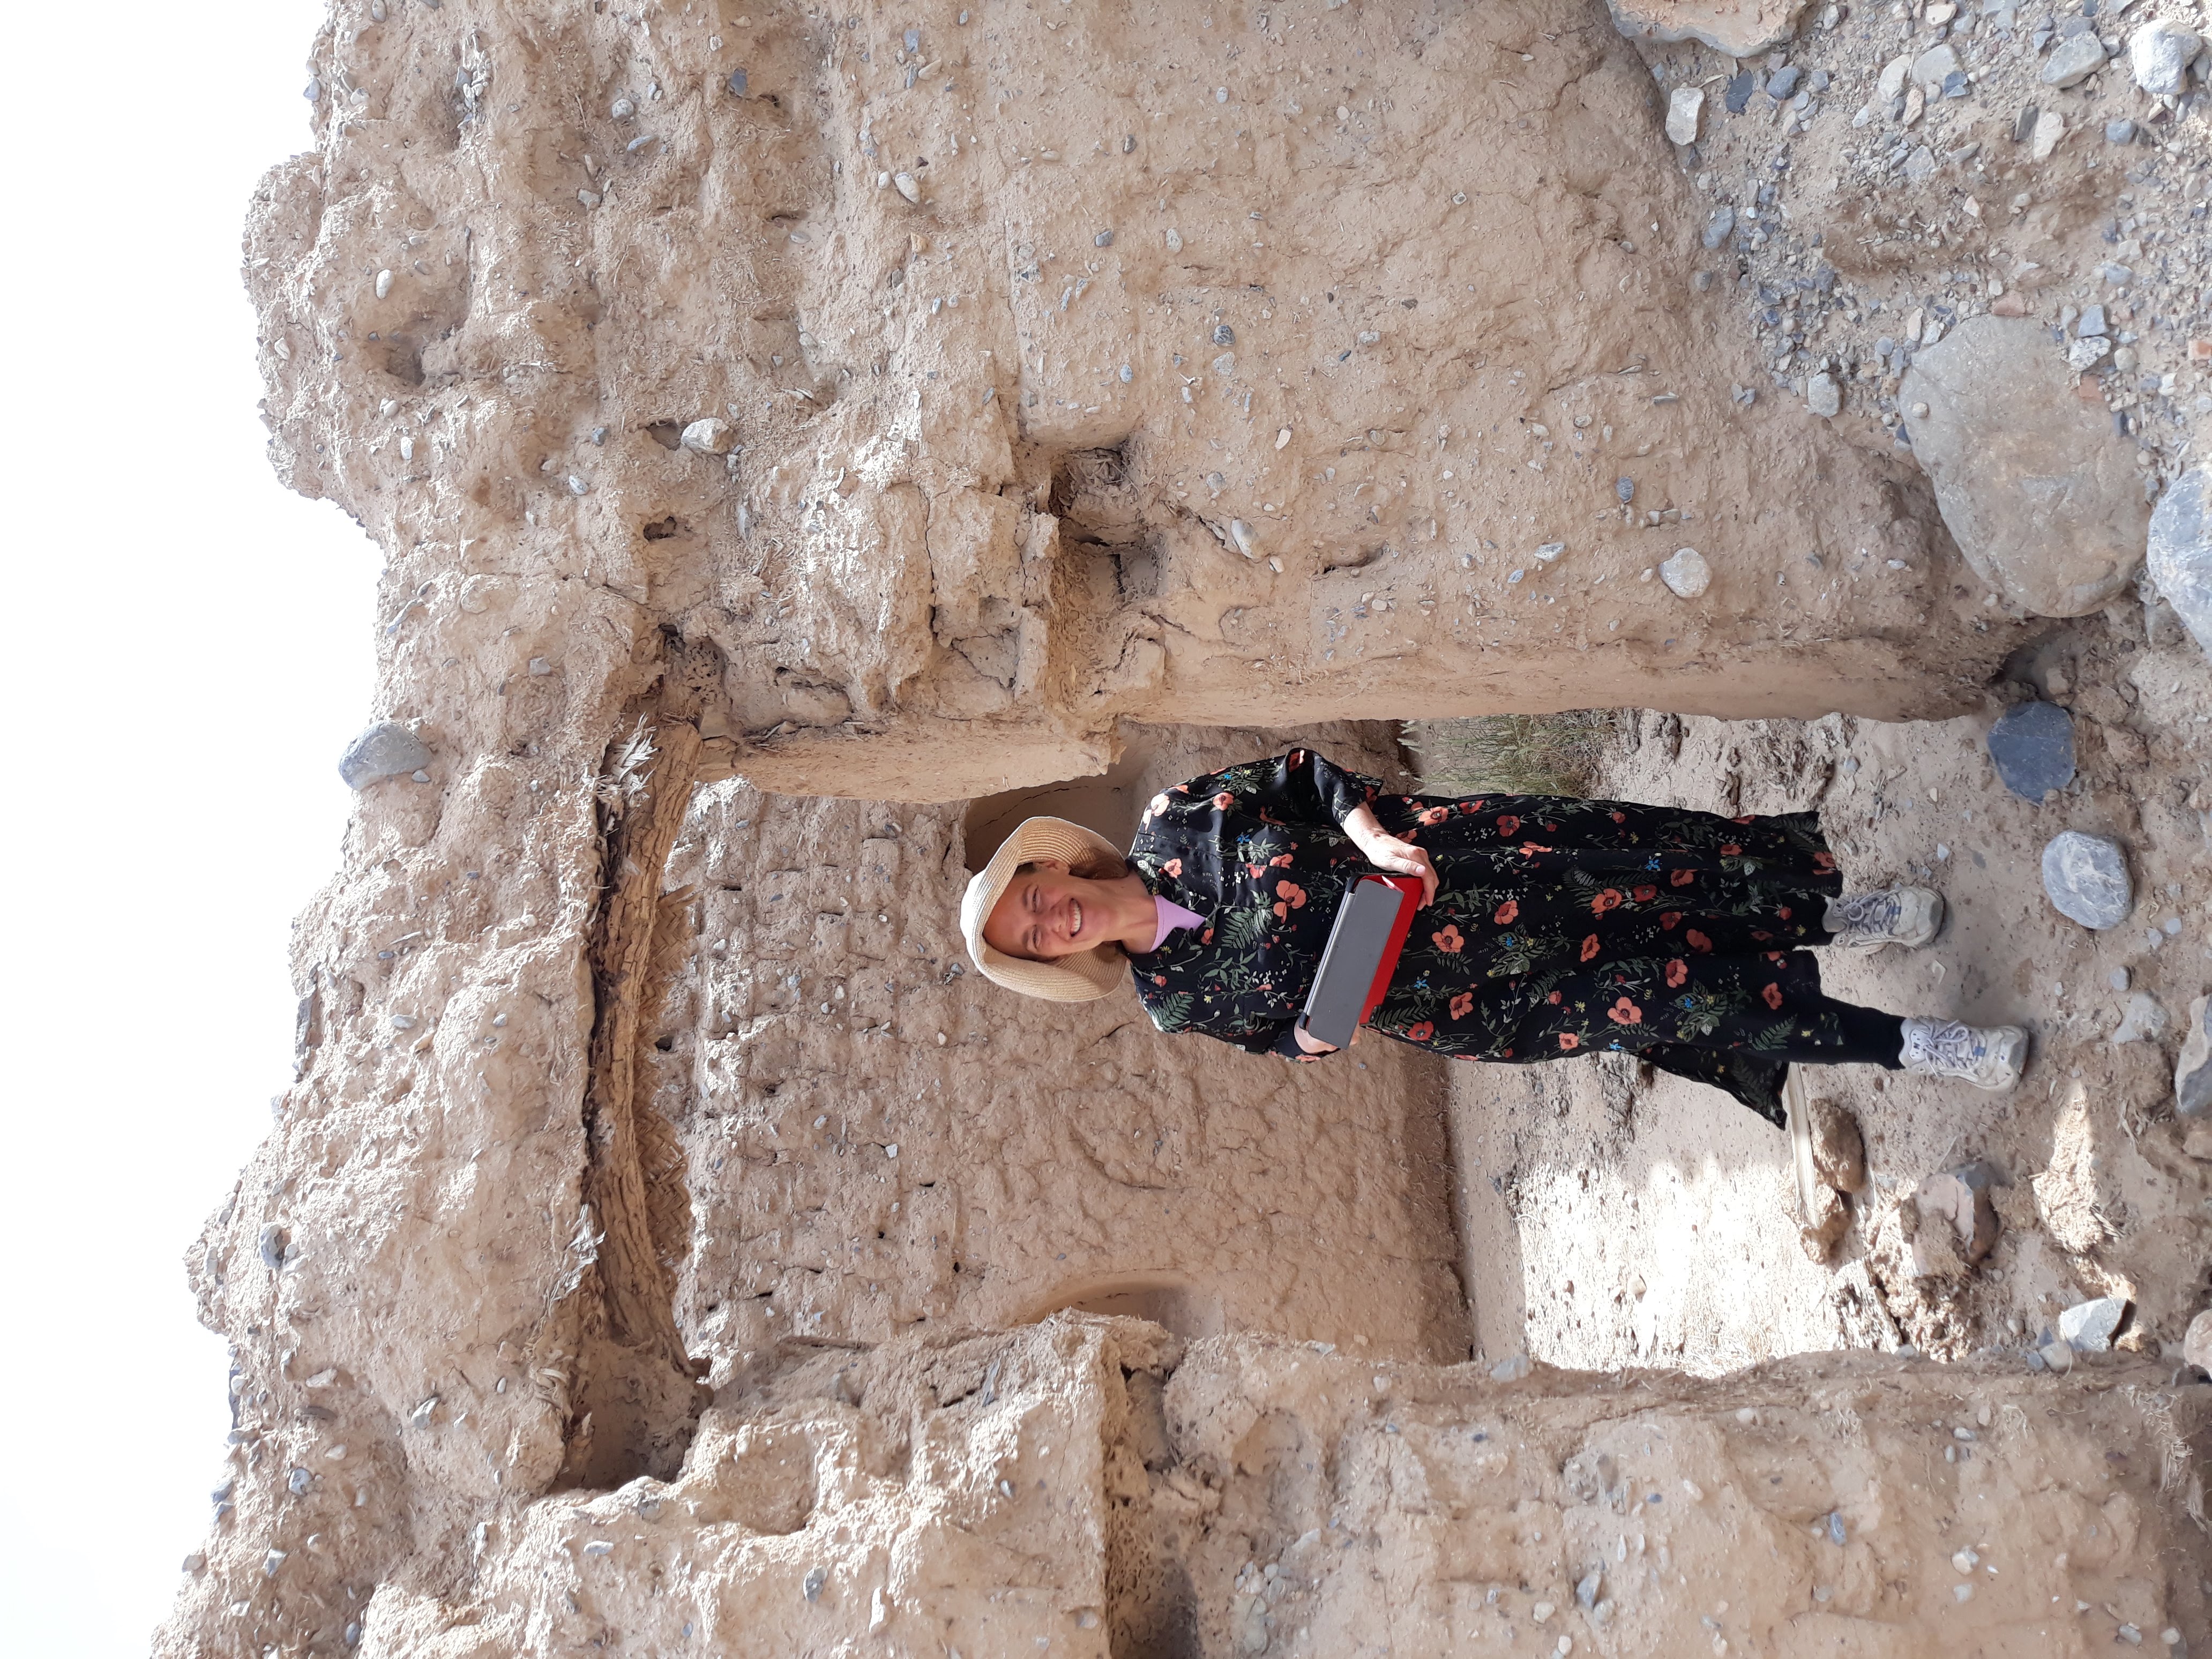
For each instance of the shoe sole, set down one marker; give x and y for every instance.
(1798, 1103)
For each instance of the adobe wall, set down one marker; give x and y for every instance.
(1236, 384)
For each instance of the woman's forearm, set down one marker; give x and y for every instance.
(1360, 823)
(1387, 852)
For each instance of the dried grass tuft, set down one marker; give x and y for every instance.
(1513, 754)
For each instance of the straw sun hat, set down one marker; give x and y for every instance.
(1082, 977)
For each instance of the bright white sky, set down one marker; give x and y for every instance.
(188, 646)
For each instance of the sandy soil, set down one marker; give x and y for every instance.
(1610, 1220)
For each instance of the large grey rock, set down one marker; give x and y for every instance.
(2033, 744)
(2089, 1326)
(2046, 506)
(2192, 1073)
(2181, 551)
(2159, 54)
(2073, 60)
(2086, 877)
(1739, 29)
(385, 750)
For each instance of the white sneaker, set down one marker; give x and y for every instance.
(1987, 1057)
(1900, 915)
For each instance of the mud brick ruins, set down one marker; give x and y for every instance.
(803, 442)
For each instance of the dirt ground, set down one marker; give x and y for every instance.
(1613, 1220)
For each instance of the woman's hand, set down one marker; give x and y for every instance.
(1387, 852)
(1314, 1045)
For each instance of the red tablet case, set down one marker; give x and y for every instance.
(1411, 887)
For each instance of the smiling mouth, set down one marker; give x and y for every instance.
(1075, 910)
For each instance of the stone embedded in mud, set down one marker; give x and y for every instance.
(2087, 1327)
(1824, 396)
(2145, 1020)
(2197, 1345)
(1687, 574)
(1719, 227)
(385, 750)
(2045, 506)
(2192, 1073)
(709, 437)
(1957, 1221)
(2180, 551)
(2159, 54)
(2085, 878)
(1684, 108)
(1739, 28)
(2033, 745)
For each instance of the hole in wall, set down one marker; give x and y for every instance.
(402, 359)
(1189, 1310)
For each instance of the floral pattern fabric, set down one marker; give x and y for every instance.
(1560, 927)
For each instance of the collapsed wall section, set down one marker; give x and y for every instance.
(1098, 1487)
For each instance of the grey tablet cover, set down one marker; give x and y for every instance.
(1356, 943)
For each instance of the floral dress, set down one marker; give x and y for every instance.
(1560, 927)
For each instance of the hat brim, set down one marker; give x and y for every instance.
(1083, 977)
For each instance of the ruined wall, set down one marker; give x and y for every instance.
(1243, 377)
(1094, 1487)
(895, 409)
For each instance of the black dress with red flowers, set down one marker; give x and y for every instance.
(1560, 927)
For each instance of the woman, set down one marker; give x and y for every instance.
(1550, 927)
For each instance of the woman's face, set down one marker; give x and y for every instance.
(1045, 912)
